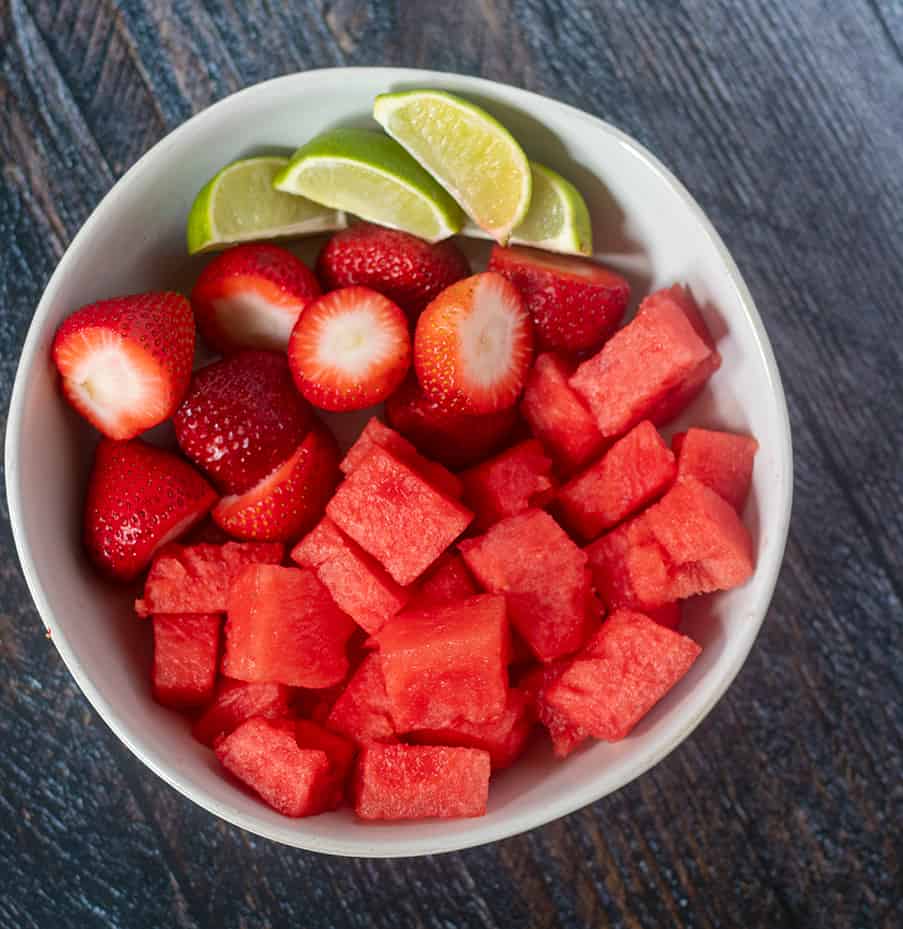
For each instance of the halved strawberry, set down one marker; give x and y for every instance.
(350, 349)
(473, 345)
(139, 498)
(407, 270)
(575, 304)
(251, 295)
(291, 500)
(241, 418)
(125, 362)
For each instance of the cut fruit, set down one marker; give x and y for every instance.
(446, 581)
(564, 734)
(339, 750)
(469, 152)
(370, 175)
(235, 703)
(361, 711)
(186, 647)
(239, 204)
(720, 460)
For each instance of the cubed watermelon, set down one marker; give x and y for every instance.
(186, 647)
(396, 515)
(361, 711)
(625, 669)
(421, 782)
(668, 615)
(448, 579)
(638, 468)
(196, 578)
(284, 626)
(339, 750)
(720, 460)
(236, 702)
(565, 735)
(265, 756)
(531, 560)
(557, 416)
(359, 584)
(508, 484)
(446, 662)
(608, 562)
(377, 433)
(641, 365)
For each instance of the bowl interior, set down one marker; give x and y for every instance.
(645, 224)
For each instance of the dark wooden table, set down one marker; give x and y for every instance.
(785, 120)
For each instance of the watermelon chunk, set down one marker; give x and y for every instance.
(564, 734)
(186, 647)
(358, 582)
(531, 560)
(265, 756)
(339, 750)
(608, 562)
(508, 484)
(625, 669)
(284, 626)
(361, 712)
(236, 702)
(557, 416)
(377, 433)
(641, 365)
(396, 516)
(668, 615)
(638, 468)
(420, 782)
(196, 578)
(504, 736)
(446, 662)
(720, 460)
(448, 579)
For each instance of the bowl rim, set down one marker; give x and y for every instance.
(481, 832)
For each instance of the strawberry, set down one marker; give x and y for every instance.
(139, 498)
(125, 362)
(350, 349)
(250, 297)
(242, 418)
(473, 345)
(291, 500)
(455, 439)
(407, 270)
(575, 304)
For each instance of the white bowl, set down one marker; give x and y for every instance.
(645, 222)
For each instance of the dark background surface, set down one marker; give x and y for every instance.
(784, 808)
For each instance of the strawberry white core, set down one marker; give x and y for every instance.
(250, 319)
(487, 335)
(354, 341)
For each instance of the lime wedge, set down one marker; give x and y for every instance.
(239, 204)
(557, 221)
(471, 154)
(366, 173)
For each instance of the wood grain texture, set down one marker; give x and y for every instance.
(784, 808)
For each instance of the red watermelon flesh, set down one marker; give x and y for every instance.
(396, 515)
(421, 782)
(638, 468)
(625, 669)
(377, 433)
(557, 416)
(196, 578)
(357, 582)
(565, 735)
(531, 560)
(640, 366)
(446, 662)
(448, 579)
(668, 615)
(236, 702)
(339, 750)
(609, 564)
(265, 755)
(362, 710)
(720, 460)
(504, 736)
(508, 484)
(284, 626)
(186, 647)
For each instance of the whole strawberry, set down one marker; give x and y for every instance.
(407, 270)
(125, 362)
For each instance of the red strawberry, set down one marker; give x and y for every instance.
(251, 295)
(139, 498)
(125, 362)
(291, 500)
(473, 345)
(350, 349)
(575, 304)
(242, 418)
(407, 270)
(455, 439)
